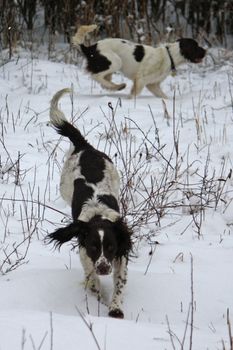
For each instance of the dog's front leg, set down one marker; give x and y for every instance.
(92, 281)
(105, 81)
(137, 87)
(119, 280)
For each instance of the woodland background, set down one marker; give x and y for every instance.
(147, 21)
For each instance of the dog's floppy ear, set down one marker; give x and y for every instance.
(123, 236)
(76, 229)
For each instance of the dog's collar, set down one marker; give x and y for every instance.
(173, 67)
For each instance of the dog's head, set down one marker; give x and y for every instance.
(191, 51)
(103, 240)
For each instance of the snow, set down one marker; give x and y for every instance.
(43, 304)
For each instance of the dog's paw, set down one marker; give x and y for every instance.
(116, 313)
(121, 86)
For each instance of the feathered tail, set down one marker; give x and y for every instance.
(57, 117)
(62, 126)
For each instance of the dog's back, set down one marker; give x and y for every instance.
(88, 175)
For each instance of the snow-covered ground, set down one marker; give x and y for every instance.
(178, 156)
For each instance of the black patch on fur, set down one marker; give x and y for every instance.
(92, 242)
(80, 143)
(191, 51)
(96, 62)
(110, 201)
(116, 239)
(92, 163)
(124, 42)
(139, 53)
(68, 130)
(173, 67)
(123, 234)
(81, 194)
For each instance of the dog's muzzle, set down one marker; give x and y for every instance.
(103, 266)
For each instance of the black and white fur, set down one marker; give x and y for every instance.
(146, 66)
(90, 185)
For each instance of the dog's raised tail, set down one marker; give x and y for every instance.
(57, 117)
(79, 37)
(62, 126)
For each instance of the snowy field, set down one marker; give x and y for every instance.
(175, 159)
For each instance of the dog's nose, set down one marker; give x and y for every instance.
(103, 267)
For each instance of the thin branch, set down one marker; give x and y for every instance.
(90, 328)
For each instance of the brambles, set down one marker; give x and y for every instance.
(158, 180)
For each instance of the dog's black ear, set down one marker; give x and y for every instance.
(77, 229)
(123, 236)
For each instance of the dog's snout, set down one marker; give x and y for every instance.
(103, 267)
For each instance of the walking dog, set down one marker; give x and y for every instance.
(90, 185)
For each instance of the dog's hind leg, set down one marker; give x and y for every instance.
(119, 279)
(156, 90)
(104, 77)
(108, 77)
(105, 81)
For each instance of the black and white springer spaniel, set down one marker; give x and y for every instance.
(145, 65)
(90, 185)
